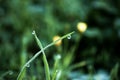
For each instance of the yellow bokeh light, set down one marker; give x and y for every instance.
(58, 43)
(81, 26)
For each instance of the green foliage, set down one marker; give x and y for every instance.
(21, 74)
(97, 46)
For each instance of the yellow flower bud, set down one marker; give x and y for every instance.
(81, 26)
(58, 43)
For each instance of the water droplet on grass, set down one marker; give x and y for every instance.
(33, 32)
(28, 65)
(69, 36)
(58, 56)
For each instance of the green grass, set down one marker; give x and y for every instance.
(27, 64)
(47, 72)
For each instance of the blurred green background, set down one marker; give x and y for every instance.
(85, 53)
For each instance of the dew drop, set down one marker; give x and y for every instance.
(69, 36)
(58, 56)
(33, 32)
(28, 65)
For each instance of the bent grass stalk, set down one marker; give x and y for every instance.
(47, 72)
(38, 53)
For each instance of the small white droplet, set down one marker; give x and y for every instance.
(69, 36)
(28, 65)
(58, 56)
(33, 32)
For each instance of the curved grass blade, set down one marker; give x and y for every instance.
(38, 53)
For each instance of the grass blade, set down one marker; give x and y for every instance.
(38, 53)
(47, 72)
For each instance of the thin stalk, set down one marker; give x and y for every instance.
(47, 72)
(54, 75)
(56, 64)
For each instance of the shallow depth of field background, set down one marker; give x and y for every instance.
(90, 54)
